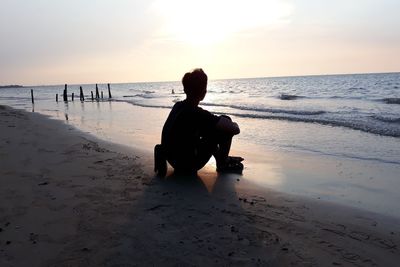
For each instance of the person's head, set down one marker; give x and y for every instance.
(195, 84)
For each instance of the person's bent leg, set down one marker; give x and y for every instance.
(222, 152)
(225, 163)
(224, 142)
(218, 145)
(205, 151)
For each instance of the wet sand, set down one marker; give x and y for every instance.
(358, 182)
(69, 199)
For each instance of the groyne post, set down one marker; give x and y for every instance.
(81, 96)
(65, 94)
(57, 98)
(109, 90)
(33, 101)
(92, 94)
(72, 96)
(101, 94)
(97, 92)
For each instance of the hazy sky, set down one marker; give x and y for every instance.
(89, 41)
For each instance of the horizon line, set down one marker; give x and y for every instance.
(216, 79)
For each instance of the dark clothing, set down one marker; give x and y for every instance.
(189, 137)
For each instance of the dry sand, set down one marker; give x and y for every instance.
(68, 199)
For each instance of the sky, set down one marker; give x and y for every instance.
(100, 41)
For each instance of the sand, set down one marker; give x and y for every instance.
(69, 199)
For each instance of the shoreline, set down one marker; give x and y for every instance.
(67, 198)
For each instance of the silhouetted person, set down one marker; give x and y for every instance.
(191, 135)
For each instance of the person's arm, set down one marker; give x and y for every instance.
(226, 125)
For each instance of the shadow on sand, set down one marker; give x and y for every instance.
(181, 220)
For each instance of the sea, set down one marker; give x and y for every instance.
(341, 118)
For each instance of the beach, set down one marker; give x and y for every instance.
(71, 199)
(95, 95)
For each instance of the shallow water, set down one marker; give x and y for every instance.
(329, 137)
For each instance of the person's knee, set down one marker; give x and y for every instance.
(227, 117)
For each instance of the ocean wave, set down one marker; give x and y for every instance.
(363, 125)
(392, 100)
(346, 97)
(147, 96)
(387, 119)
(289, 97)
(359, 125)
(143, 105)
(356, 88)
(243, 108)
(15, 98)
(269, 110)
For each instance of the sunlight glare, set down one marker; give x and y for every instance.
(210, 21)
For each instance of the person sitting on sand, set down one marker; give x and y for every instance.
(191, 135)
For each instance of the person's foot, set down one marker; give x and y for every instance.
(231, 167)
(160, 162)
(233, 159)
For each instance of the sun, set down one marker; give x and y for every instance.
(212, 21)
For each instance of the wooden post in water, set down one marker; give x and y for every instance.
(97, 92)
(72, 96)
(57, 98)
(101, 94)
(33, 101)
(81, 96)
(65, 94)
(109, 90)
(92, 94)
